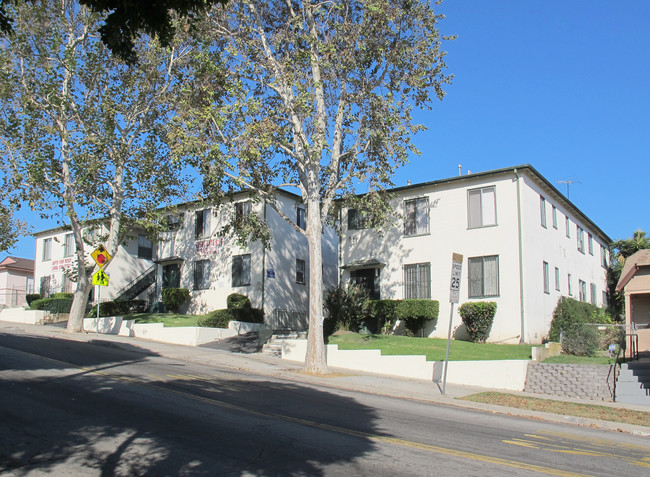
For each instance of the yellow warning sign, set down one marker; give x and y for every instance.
(100, 277)
(101, 256)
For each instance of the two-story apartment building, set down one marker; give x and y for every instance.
(524, 245)
(194, 254)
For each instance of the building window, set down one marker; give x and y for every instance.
(173, 222)
(567, 222)
(547, 285)
(482, 207)
(300, 271)
(68, 245)
(542, 210)
(301, 217)
(569, 285)
(557, 279)
(47, 249)
(582, 288)
(359, 219)
(416, 216)
(45, 286)
(590, 242)
(242, 209)
(483, 276)
(201, 224)
(554, 216)
(581, 239)
(241, 270)
(171, 276)
(592, 293)
(145, 248)
(202, 274)
(417, 281)
(603, 256)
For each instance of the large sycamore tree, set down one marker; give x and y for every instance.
(81, 135)
(318, 97)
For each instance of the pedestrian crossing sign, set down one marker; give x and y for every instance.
(100, 277)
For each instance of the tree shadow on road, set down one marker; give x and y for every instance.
(118, 422)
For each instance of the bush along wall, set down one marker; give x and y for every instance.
(478, 317)
(382, 314)
(239, 309)
(574, 326)
(173, 298)
(118, 308)
(53, 304)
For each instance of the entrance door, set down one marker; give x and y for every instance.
(171, 276)
(369, 279)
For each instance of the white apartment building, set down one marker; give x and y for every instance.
(524, 245)
(194, 254)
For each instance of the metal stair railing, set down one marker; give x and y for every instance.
(133, 284)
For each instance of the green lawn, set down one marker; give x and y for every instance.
(432, 348)
(570, 359)
(167, 319)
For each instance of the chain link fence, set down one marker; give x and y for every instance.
(596, 339)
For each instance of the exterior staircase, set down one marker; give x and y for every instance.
(273, 347)
(138, 285)
(633, 384)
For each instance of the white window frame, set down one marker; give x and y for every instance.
(590, 243)
(557, 279)
(567, 223)
(580, 236)
(554, 217)
(201, 231)
(68, 245)
(569, 284)
(547, 278)
(486, 290)
(47, 249)
(485, 207)
(582, 290)
(593, 292)
(420, 219)
(542, 210)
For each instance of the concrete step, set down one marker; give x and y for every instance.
(633, 383)
(289, 335)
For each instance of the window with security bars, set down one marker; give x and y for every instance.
(68, 246)
(416, 216)
(483, 273)
(417, 281)
(481, 207)
(359, 219)
(202, 274)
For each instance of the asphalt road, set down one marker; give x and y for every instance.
(75, 408)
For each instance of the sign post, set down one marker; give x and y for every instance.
(454, 297)
(100, 278)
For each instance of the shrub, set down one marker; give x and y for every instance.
(30, 297)
(216, 319)
(237, 300)
(569, 326)
(345, 308)
(415, 313)
(118, 308)
(64, 295)
(478, 317)
(53, 305)
(239, 309)
(381, 315)
(173, 298)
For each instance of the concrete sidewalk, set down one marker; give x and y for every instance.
(396, 387)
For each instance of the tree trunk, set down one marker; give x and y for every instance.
(315, 359)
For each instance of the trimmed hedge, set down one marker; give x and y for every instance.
(173, 298)
(31, 297)
(478, 317)
(118, 308)
(239, 309)
(414, 313)
(53, 305)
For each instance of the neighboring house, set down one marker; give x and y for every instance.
(16, 281)
(524, 245)
(635, 283)
(194, 255)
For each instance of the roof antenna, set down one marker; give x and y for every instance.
(460, 169)
(568, 182)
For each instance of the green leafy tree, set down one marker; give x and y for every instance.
(83, 134)
(319, 98)
(620, 250)
(126, 20)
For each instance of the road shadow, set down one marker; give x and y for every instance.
(124, 421)
(247, 343)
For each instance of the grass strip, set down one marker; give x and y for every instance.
(591, 411)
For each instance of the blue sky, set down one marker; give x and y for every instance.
(561, 85)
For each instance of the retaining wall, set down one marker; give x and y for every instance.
(595, 382)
